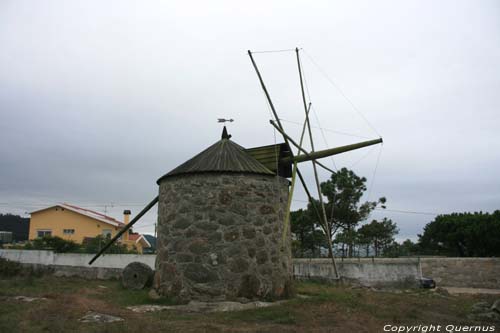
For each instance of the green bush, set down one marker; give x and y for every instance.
(95, 244)
(91, 245)
(55, 243)
(9, 268)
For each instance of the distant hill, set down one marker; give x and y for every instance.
(19, 226)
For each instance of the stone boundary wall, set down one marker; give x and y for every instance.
(88, 273)
(367, 272)
(364, 271)
(463, 272)
(448, 272)
(50, 258)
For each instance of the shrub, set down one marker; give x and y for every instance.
(9, 268)
(55, 243)
(95, 244)
(90, 245)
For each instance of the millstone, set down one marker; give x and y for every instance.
(137, 275)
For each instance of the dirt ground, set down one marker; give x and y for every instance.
(326, 309)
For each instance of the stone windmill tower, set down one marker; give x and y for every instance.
(220, 222)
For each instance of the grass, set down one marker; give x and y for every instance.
(116, 294)
(272, 315)
(326, 308)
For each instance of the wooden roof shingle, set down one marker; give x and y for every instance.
(223, 156)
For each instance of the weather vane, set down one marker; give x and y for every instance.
(222, 120)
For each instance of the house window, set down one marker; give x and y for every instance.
(106, 233)
(43, 233)
(68, 231)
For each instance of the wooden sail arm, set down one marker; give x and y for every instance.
(125, 229)
(330, 152)
(288, 140)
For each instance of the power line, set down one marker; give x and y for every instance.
(408, 211)
(326, 129)
(374, 172)
(402, 211)
(17, 204)
(274, 51)
(362, 157)
(144, 226)
(341, 92)
(314, 111)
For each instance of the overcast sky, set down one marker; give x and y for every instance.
(99, 99)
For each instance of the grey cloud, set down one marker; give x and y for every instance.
(98, 100)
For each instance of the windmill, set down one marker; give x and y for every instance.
(220, 175)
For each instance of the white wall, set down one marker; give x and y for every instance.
(28, 257)
(368, 272)
(76, 259)
(364, 271)
(459, 272)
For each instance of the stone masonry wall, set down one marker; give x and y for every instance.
(376, 272)
(220, 237)
(463, 272)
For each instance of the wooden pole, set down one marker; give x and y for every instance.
(265, 91)
(292, 187)
(298, 158)
(280, 126)
(125, 229)
(323, 211)
(331, 151)
(309, 196)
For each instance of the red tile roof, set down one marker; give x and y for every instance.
(137, 237)
(90, 213)
(134, 237)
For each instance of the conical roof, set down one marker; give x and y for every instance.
(223, 156)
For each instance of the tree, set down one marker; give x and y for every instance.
(309, 237)
(408, 248)
(19, 226)
(95, 244)
(364, 239)
(344, 210)
(462, 235)
(379, 234)
(346, 237)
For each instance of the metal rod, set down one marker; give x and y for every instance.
(323, 211)
(286, 136)
(125, 229)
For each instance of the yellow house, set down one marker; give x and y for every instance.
(138, 241)
(75, 223)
